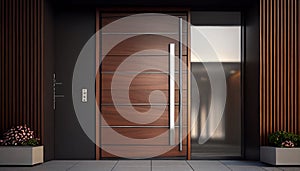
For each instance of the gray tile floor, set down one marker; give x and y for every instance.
(151, 165)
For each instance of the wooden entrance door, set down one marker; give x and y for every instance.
(142, 114)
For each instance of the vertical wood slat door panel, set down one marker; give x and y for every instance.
(279, 61)
(22, 64)
(147, 81)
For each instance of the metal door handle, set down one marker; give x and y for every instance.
(172, 93)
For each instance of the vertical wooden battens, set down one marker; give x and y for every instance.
(2, 61)
(279, 73)
(41, 23)
(21, 64)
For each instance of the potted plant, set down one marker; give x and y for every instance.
(284, 149)
(20, 147)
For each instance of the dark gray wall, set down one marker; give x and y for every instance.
(251, 83)
(213, 18)
(204, 4)
(73, 28)
(48, 71)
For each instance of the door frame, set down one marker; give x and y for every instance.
(229, 21)
(98, 74)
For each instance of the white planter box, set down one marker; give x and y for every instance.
(280, 156)
(21, 155)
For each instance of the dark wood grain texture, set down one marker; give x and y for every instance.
(156, 23)
(135, 63)
(113, 117)
(141, 151)
(141, 96)
(22, 64)
(146, 44)
(142, 81)
(148, 136)
(97, 84)
(138, 50)
(136, 133)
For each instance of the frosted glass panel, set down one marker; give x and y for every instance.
(222, 42)
(216, 47)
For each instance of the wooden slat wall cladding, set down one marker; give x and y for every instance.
(21, 64)
(279, 68)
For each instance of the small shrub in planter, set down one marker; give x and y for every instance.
(20, 135)
(283, 150)
(284, 139)
(20, 147)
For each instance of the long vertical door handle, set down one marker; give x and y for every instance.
(180, 84)
(172, 93)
